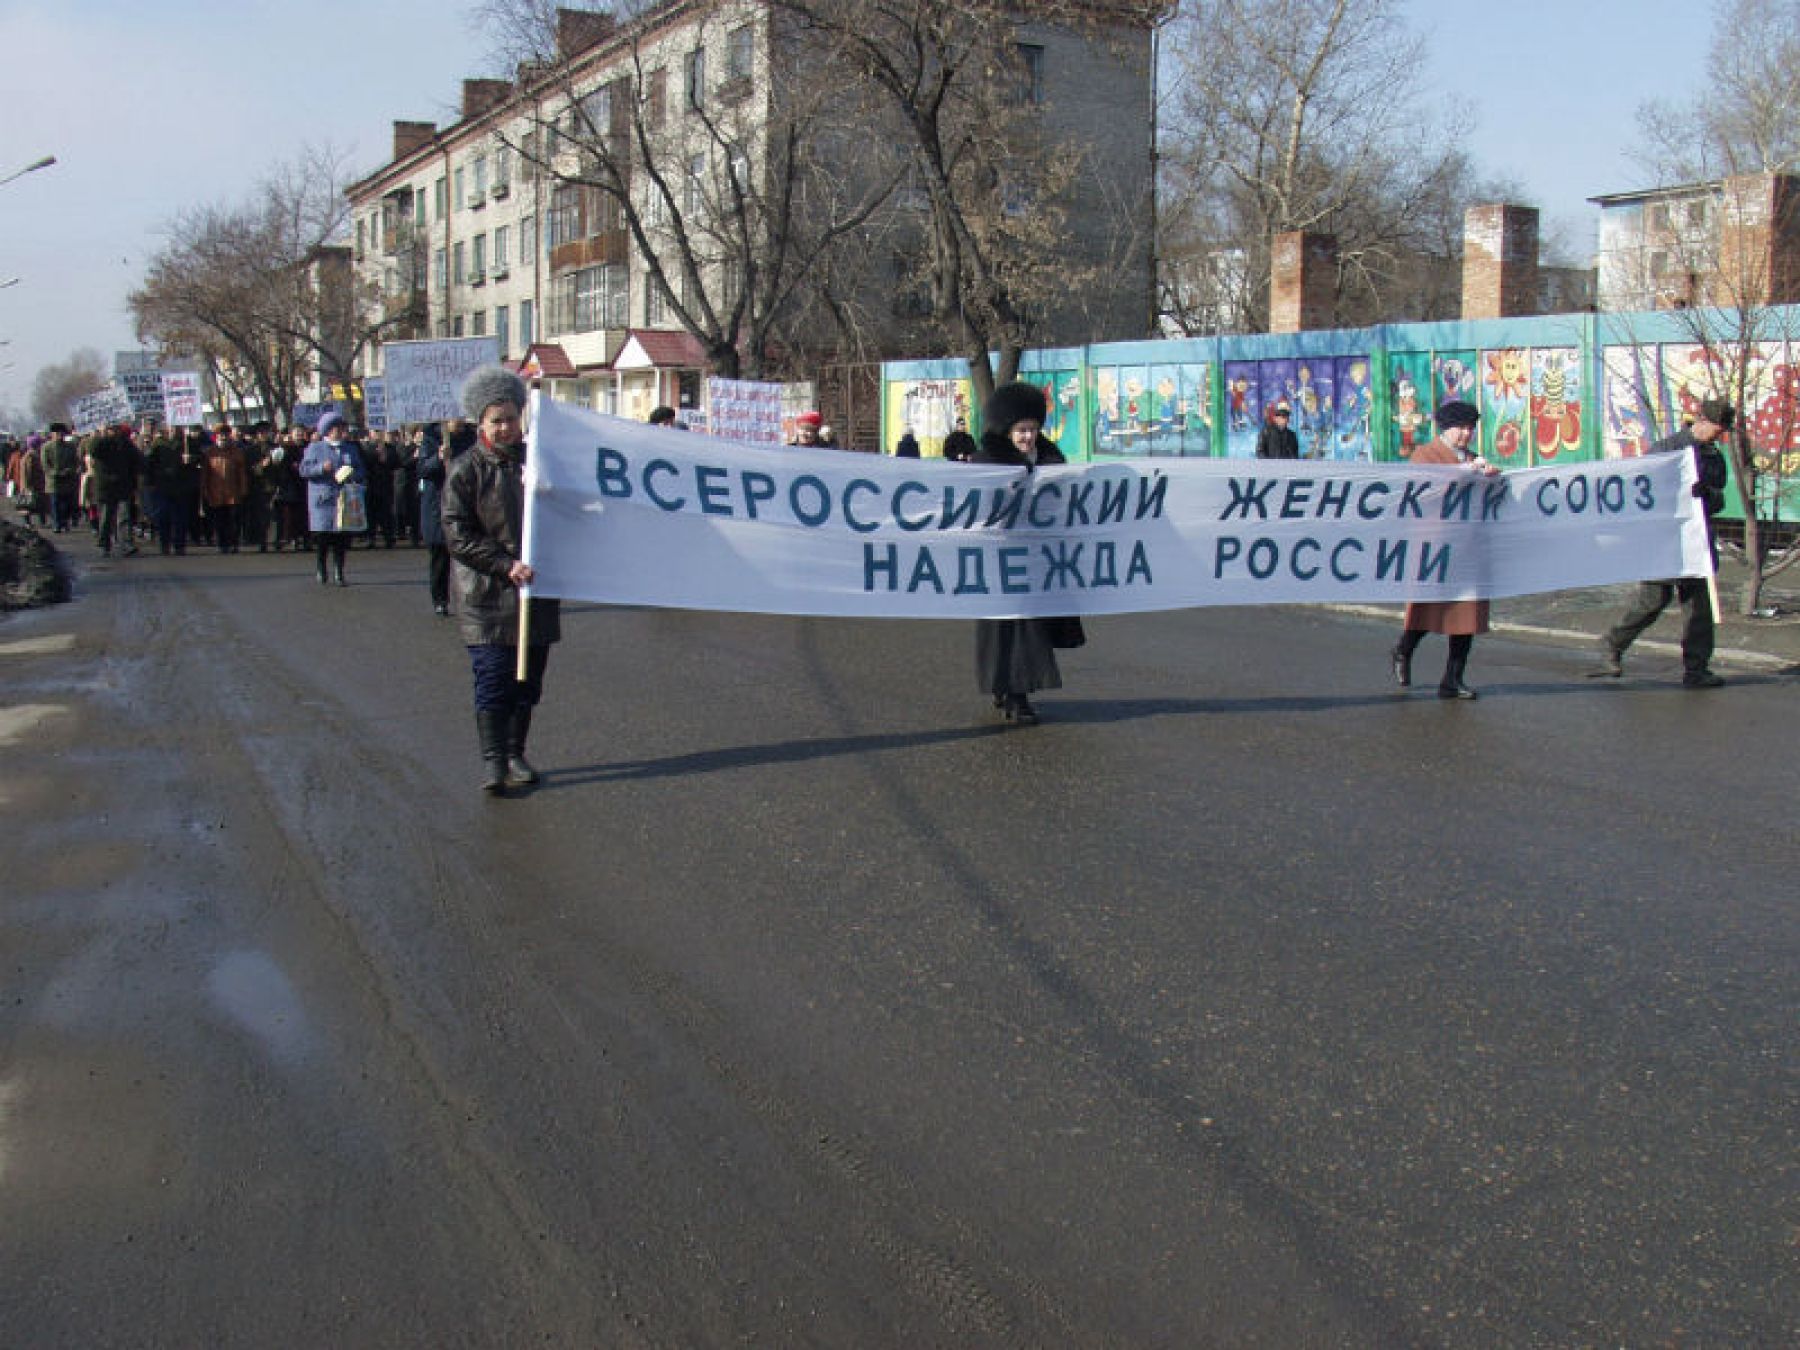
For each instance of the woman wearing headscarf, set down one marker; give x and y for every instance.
(484, 525)
(1014, 658)
(1459, 620)
(331, 463)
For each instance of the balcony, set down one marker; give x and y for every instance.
(500, 190)
(478, 278)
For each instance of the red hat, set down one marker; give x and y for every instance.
(809, 419)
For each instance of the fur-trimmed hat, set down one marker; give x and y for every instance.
(334, 418)
(1457, 413)
(488, 385)
(1010, 403)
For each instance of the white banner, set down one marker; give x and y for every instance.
(627, 514)
(421, 380)
(181, 398)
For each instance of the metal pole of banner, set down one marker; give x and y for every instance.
(529, 514)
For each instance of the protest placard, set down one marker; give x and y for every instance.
(422, 379)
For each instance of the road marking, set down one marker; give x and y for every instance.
(39, 646)
(27, 717)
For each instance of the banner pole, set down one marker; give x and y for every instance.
(528, 514)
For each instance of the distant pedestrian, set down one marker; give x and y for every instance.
(908, 448)
(1277, 440)
(1459, 620)
(1714, 421)
(662, 416)
(959, 445)
(333, 467)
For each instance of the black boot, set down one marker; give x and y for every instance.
(519, 772)
(1453, 686)
(321, 571)
(337, 573)
(491, 727)
(1402, 660)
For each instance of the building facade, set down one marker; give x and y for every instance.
(509, 222)
(1731, 242)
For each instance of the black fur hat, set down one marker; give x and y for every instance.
(1010, 403)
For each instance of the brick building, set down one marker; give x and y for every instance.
(1730, 241)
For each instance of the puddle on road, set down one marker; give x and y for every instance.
(251, 990)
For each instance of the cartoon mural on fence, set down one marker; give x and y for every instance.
(1350, 426)
(1505, 401)
(1411, 377)
(1635, 400)
(1152, 410)
(1243, 408)
(929, 409)
(1452, 377)
(1556, 401)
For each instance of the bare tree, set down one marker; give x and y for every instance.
(1285, 115)
(1723, 246)
(263, 291)
(995, 175)
(62, 382)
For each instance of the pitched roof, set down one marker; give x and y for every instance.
(547, 360)
(659, 348)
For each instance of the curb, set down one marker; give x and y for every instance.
(1735, 656)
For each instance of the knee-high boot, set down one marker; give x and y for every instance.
(519, 772)
(1453, 686)
(491, 728)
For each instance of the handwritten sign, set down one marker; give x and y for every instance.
(424, 379)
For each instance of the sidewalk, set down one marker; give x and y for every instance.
(1577, 618)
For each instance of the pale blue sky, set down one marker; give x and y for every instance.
(153, 105)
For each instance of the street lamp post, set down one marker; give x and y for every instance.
(33, 167)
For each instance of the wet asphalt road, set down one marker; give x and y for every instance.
(1242, 1003)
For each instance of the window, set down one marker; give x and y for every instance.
(502, 237)
(696, 185)
(462, 184)
(1659, 264)
(1696, 215)
(503, 328)
(563, 220)
(456, 326)
(502, 171)
(738, 53)
(525, 316)
(594, 298)
(528, 242)
(418, 203)
(655, 303)
(1030, 73)
(440, 197)
(1659, 216)
(440, 271)
(596, 111)
(481, 176)
(696, 78)
(479, 271)
(656, 98)
(360, 225)
(458, 273)
(479, 327)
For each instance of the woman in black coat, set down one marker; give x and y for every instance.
(1014, 658)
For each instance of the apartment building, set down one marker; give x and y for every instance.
(474, 228)
(1731, 241)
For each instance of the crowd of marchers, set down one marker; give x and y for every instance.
(227, 488)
